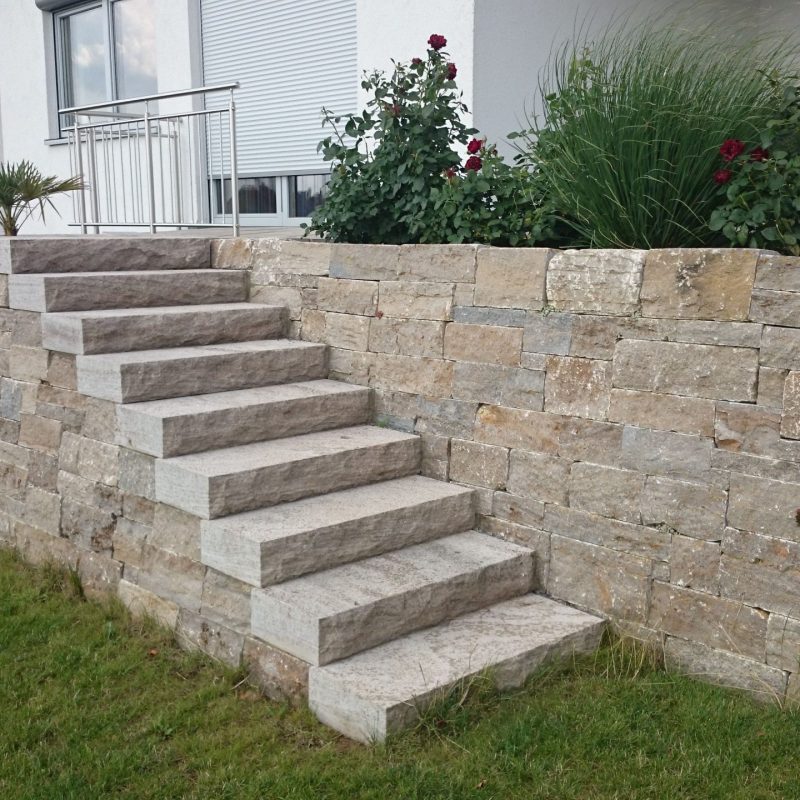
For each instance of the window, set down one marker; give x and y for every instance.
(256, 196)
(105, 50)
(306, 192)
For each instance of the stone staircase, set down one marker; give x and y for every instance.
(360, 566)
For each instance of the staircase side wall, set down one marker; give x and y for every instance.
(632, 416)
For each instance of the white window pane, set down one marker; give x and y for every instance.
(135, 47)
(85, 56)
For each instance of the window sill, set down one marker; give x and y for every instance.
(56, 142)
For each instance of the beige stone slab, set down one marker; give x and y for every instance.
(692, 509)
(699, 283)
(483, 344)
(577, 387)
(511, 427)
(776, 308)
(141, 602)
(426, 376)
(539, 476)
(780, 348)
(780, 273)
(783, 642)
(610, 492)
(448, 263)
(511, 277)
(348, 296)
(588, 440)
(365, 262)
(478, 464)
(764, 506)
(790, 419)
(694, 564)
(602, 281)
(417, 300)
(280, 676)
(664, 412)
(407, 337)
(499, 385)
(717, 373)
(717, 622)
(743, 427)
(672, 455)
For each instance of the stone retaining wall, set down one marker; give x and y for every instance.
(632, 416)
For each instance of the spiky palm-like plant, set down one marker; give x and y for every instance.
(23, 190)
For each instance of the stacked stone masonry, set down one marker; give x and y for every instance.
(632, 416)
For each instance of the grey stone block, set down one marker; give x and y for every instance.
(252, 476)
(179, 371)
(333, 614)
(275, 544)
(384, 690)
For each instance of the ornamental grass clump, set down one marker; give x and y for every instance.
(631, 126)
(408, 169)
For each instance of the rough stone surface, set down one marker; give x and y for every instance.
(438, 262)
(499, 385)
(688, 508)
(764, 506)
(614, 493)
(511, 427)
(578, 387)
(478, 464)
(508, 278)
(694, 564)
(776, 308)
(699, 284)
(407, 299)
(664, 412)
(333, 614)
(348, 297)
(483, 344)
(280, 676)
(511, 639)
(605, 281)
(539, 476)
(790, 419)
(406, 337)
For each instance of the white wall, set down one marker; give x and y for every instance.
(26, 70)
(399, 30)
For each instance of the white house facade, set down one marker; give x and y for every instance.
(289, 58)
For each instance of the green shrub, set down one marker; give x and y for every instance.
(397, 174)
(760, 186)
(632, 124)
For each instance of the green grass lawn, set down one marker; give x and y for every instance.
(95, 705)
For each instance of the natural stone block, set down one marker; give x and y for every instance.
(610, 492)
(790, 419)
(100, 420)
(688, 508)
(675, 455)
(699, 284)
(217, 641)
(3, 291)
(764, 506)
(279, 675)
(503, 317)
(90, 493)
(99, 574)
(69, 451)
(348, 365)
(171, 576)
(347, 296)
(88, 527)
(290, 297)
(717, 373)
(175, 531)
(478, 464)
(748, 428)
(98, 461)
(771, 384)
(427, 376)
(364, 262)
(448, 263)
(128, 543)
(604, 281)
(636, 540)
(43, 510)
(761, 571)
(435, 456)
(578, 387)
(783, 642)
(407, 337)
(780, 348)
(539, 476)
(483, 344)
(62, 371)
(664, 412)
(345, 331)
(713, 621)
(40, 548)
(43, 471)
(525, 536)
(143, 603)
(781, 273)
(40, 433)
(776, 308)
(446, 418)
(588, 440)
(11, 396)
(512, 427)
(694, 564)
(725, 669)
(499, 385)
(28, 363)
(511, 277)
(138, 509)
(520, 510)
(757, 466)
(137, 473)
(549, 333)
(596, 336)
(417, 300)
(596, 578)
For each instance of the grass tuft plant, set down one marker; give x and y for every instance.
(632, 123)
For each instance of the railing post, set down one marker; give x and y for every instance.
(234, 166)
(148, 152)
(79, 164)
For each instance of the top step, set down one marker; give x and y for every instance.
(101, 254)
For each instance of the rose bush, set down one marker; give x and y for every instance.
(760, 186)
(399, 174)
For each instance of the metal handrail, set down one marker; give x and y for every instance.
(140, 192)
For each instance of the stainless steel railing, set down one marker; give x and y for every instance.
(142, 168)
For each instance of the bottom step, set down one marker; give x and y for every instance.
(381, 691)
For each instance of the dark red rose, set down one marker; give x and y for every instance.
(474, 146)
(437, 42)
(722, 176)
(416, 61)
(396, 110)
(759, 154)
(452, 71)
(731, 148)
(473, 163)
(450, 173)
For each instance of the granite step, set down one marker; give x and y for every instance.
(329, 615)
(235, 479)
(119, 330)
(183, 425)
(86, 291)
(381, 691)
(276, 544)
(23, 255)
(182, 371)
